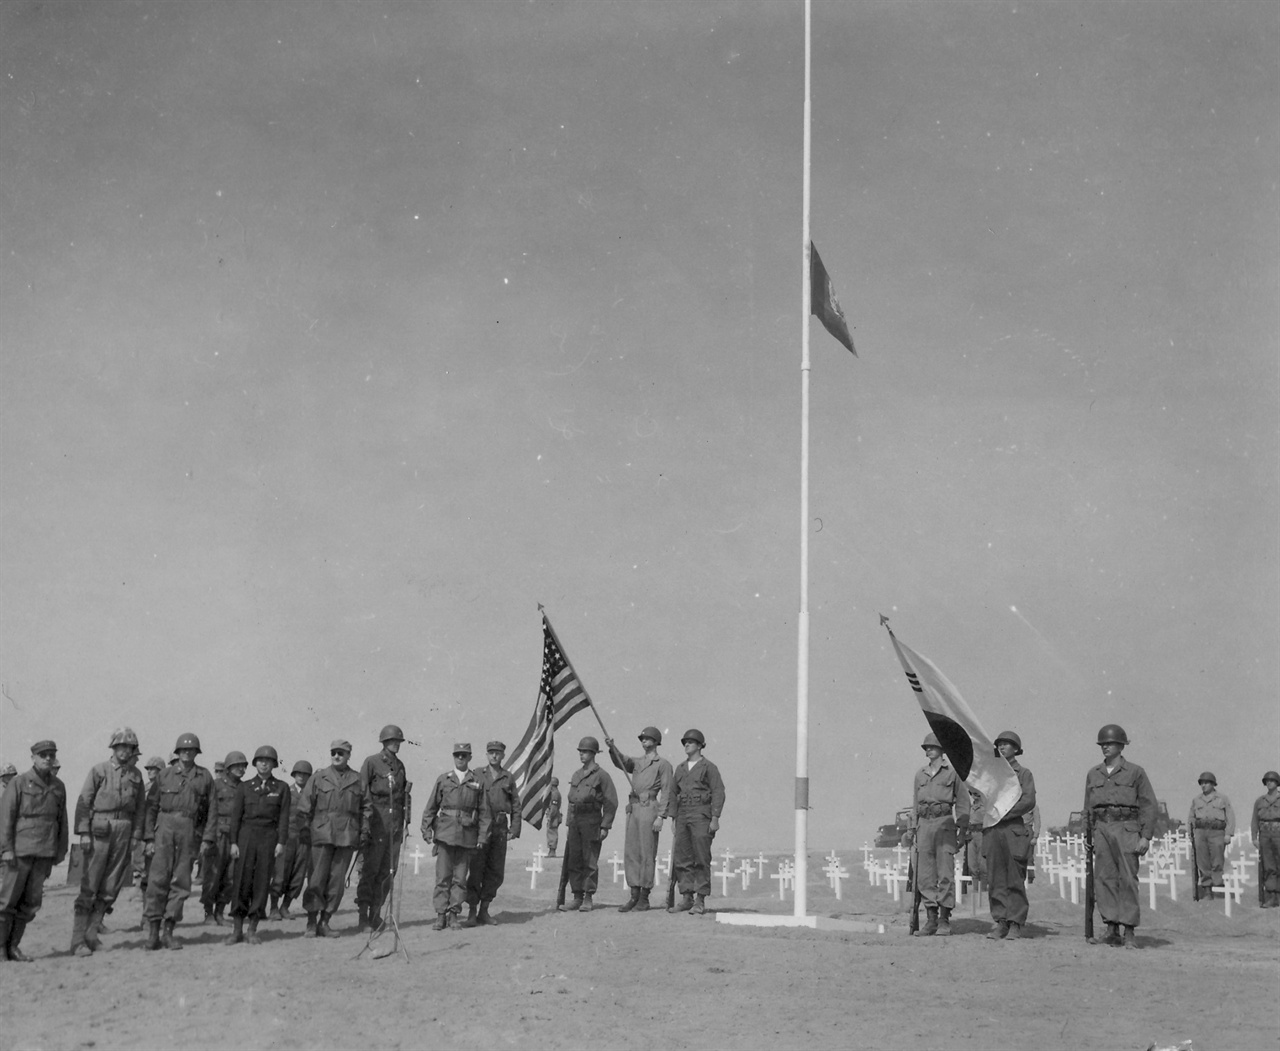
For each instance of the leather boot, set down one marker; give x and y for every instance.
(455, 920)
(219, 915)
(1001, 931)
(79, 947)
(285, 914)
(683, 905)
(1015, 932)
(1130, 939)
(483, 918)
(574, 905)
(642, 905)
(253, 937)
(275, 915)
(363, 926)
(442, 921)
(209, 921)
(94, 928)
(322, 926)
(167, 938)
(587, 904)
(237, 933)
(699, 907)
(153, 935)
(633, 902)
(470, 921)
(16, 929)
(931, 923)
(310, 932)
(944, 922)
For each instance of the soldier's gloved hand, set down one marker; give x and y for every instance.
(235, 850)
(86, 843)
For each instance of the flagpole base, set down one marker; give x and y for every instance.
(821, 923)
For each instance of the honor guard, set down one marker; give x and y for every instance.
(650, 776)
(215, 871)
(110, 815)
(489, 864)
(1265, 830)
(697, 799)
(259, 831)
(33, 839)
(939, 818)
(593, 802)
(456, 821)
(554, 817)
(1120, 807)
(291, 874)
(334, 816)
(1212, 823)
(1006, 847)
(384, 779)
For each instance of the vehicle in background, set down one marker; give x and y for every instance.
(1164, 823)
(891, 835)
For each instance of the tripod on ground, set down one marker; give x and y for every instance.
(395, 893)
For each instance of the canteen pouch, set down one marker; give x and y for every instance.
(100, 827)
(469, 806)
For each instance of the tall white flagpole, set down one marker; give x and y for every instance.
(802, 664)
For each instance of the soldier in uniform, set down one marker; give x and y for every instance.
(109, 818)
(456, 821)
(593, 802)
(1006, 846)
(335, 817)
(291, 874)
(489, 864)
(141, 864)
(939, 815)
(383, 778)
(215, 870)
(259, 831)
(553, 817)
(1264, 829)
(650, 777)
(973, 851)
(178, 819)
(33, 839)
(1212, 822)
(696, 801)
(1120, 807)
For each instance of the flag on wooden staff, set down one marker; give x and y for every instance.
(560, 697)
(823, 303)
(966, 744)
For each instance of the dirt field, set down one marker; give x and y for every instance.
(547, 979)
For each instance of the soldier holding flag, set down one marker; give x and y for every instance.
(650, 777)
(1006, 845)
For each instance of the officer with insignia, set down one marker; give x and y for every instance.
(554, 817)
(33, 839)
(215, 870)
(939, 818)
(110, 815)
(1212, 822)
(593, 802)
(456, 821)
(259, 831)
(1265, 832)
(1120, 807)
(697, 799)
(650, 777)
(291, 874)
(383, 777)
(178, 820)
(335, 815)
(489, 864)
(1006, 847)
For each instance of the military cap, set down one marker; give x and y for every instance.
(588, 744)
(43, 746)
(694, 735)
(154, 763)
(301, 767)
(234, 759)
(340, 746)
(462, 748)
(267, 752)
(931, 741)
(391, 732)
(1013, 739)
(495, 746)
(1207, 776)
(1271, 775)
(653, 733)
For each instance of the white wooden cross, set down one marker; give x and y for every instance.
(897, 878)
(835, 872)
(1076, 878)
(617, 863)
(900, 855)
(727, 856)
(961, 880)
(724, 875)
(1151, 879)
(745, 868)
(760, 862)
(417, 856)
(538, 856)
(533, 868)
(785, 877)
(866, 854)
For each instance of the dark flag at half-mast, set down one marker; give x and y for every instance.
(971, 752)
(823, 303)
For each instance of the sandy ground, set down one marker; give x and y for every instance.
(546, 979)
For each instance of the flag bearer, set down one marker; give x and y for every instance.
(456, 820)
(650, 777)
(110, 815)
(215, 871)
(1265, 831)
(33, 839)
(489, 864)
(1120, 807)
(384, 779)
(939, 817)
(1007, 848)
(291, 874)
(593, 802)
(259, 831)
(695, 804)
(1212, 822)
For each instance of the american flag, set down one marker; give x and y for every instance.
(560, 697)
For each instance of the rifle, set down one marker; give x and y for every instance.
(1195, 867)
(913, 884)
(1088, 876)
(671, 881)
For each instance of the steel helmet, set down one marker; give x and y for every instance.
(155, 763)
(653, 733)
(931, 741)
(301, 767)
(1013, 739)
(1207, 776)
(234, 759)
(187, 741)
(124, 736)
(266, 752)
(555, 781)
(1271, 775)
(588, 744)
(9, 770)
(391, 732)
(694, 735)
(1112, 734)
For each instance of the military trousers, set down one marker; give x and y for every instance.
(22, 887)
(141, 867)
(1269, 862)
(691, 851)
(252, 871)
(1211, 852)
(1006, 847)
(553, 837)
(328, 878)
(640, 851)
(582, 852)
(379, 856)
(291, 871)
(973, 855)
(1115, 871)
(169, 881)
(488, 869)
(453, 863)
(107, 865)
(936, 861)
(216, 873)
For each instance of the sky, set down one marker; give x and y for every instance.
(336, 338)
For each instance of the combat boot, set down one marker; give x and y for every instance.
(363, 926)
(1015, 932)
(219, 916)
(587, 904)
(642, 904)
(633, 902)
(1001, 930)
(209, 921)
(455, 920)
(167, 938)
(310, 932)
(79, 947)
(574, 905)
(442, 921)
(4, 937)
(931, 923)
(16, 929)
(375, 920)
(94, 928)
(699, 907)
(285, 914)
(470, 921)
(483, 918)
(1130, 939)
(683, 905)
(944, 922)
(237, 933)
(322, 926)
(275, 916)
(153, 935)
(253, 937)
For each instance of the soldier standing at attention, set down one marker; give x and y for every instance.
(110, 815)
(259, 831)
(383, 777)
(215, 870)
(553, 817)
(1007, 847)
(1212, 823)
(593, 802)
(33, 838)
(696, 801)
(456, 821)
(489, 864)
(650, 777)
(1265, 832)
(291, 872)
(939, 814)
(334, 815)
(178, 810)
(141, 864)
(1120, 806)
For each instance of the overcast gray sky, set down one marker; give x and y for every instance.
(335, 337)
